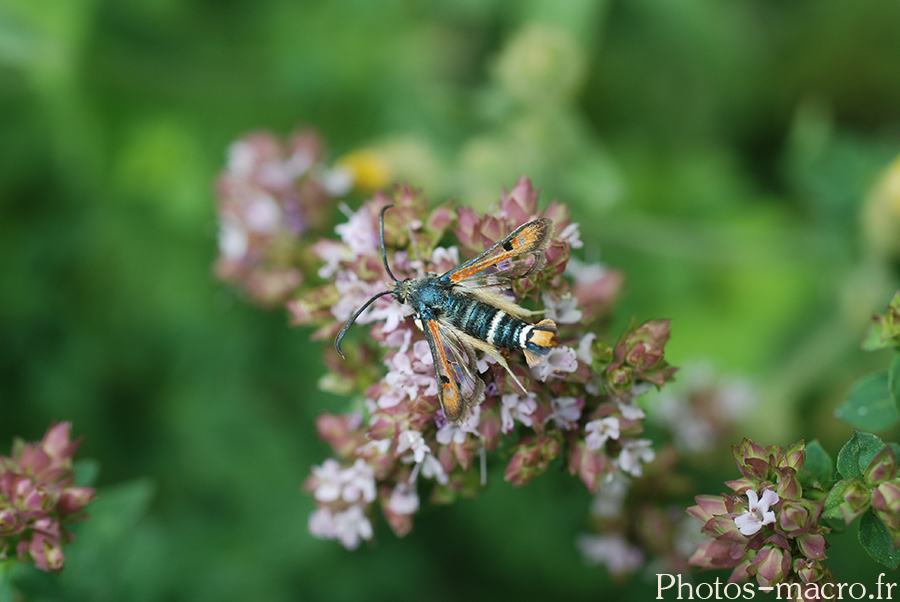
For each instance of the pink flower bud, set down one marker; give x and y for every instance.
(812, 546)
(770, 566)
(883, 467)
(793, 518)
(10, 522)
(788, 488)
(856, 500)
(794, 456)
(74, 499)
(709, 506)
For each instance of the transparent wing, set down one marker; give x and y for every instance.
(516, 256)
(459, 386)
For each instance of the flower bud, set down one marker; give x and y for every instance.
(812, 546)
(856, 500)
(770, 566)
(809, 571)
(789, 487)
(10, 523)
(709, 506)
(793, 518)
(883, 467)
(794, 456)
(752, 460)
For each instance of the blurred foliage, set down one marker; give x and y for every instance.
(720, 153)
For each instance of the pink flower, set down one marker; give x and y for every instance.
(559, 362)
(516, 407)
(566, 411)
(614, 551)
(269, 196)
(359, 233)
(563, 310)
(37, 498)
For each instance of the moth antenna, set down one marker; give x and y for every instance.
(381, 236)
(340, 336)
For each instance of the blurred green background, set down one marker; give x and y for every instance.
(719, 152)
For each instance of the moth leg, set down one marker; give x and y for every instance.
(494, 352)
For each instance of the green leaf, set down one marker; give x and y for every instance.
(818, 467)
(86, 472)
(869, 405)
(873, 340)
(834, 499)
(894, 382)
(874, 538)
(856, 454)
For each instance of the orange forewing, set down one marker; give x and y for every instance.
(527, 239)
(448, 389)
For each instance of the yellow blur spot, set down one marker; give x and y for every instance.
(370, 169)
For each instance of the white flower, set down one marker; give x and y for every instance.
(563, 310)
(584, 353)
(600, 431)
(233, 239)
(332, 253)
(350, 484)
(618, 555)
(404, 499)
(431, 468)
(572, 235)
(559, 360)
(635, 453)
(609, 500)
(359, 234)
(336, 181)
(518, 408)
(262, 214)
(586, 273)
(458, 434)
(242, 158)
(353, 292)
(413, 441)
(380, 446)
(410, 373)
(691, 431)
(358, 482)
(299, 163)
(351, 526)
(565, 412)
(758, 513)
(628, 401)
(443, 260)
(328, 477)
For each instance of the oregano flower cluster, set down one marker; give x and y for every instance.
(580, 405)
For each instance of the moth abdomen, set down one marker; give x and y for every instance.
(538, 339)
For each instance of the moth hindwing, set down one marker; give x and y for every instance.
(462, 312)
